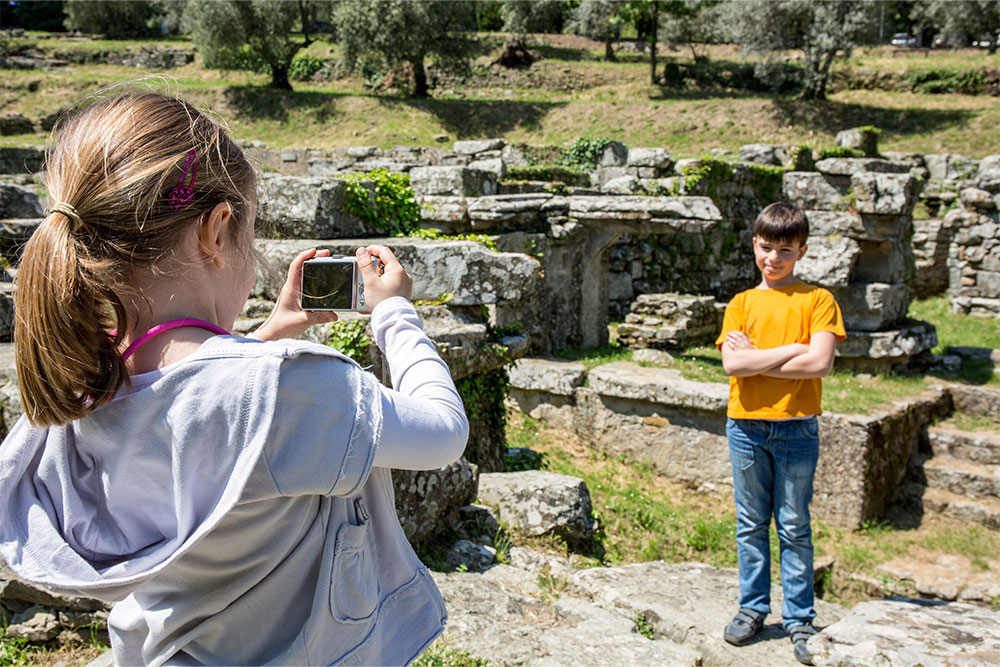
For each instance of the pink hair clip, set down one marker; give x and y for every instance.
(181, 196)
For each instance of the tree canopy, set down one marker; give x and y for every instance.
(405, 31)
(274, 30)
(819, 28)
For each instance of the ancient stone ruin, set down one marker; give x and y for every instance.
(660, 244)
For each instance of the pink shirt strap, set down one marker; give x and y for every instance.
(167, 326)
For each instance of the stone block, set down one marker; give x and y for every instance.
(509, 210)
(602, 175)
(638, 213)
(863, 457)
(627, 380)
(884, 194)
(18, 202)
(950, 166)
(657, 158)
(989, 173)
(560, 378)
(329, 166)
(450, 214)
(975, 198)
(478, 146)
(908, 631)
(847, 166)
(862, 227)
(770, 154)
(540, 502)
(894, 346)
(21, 160)
(307, 208)
(494, 166)
(615, 154)
(471, 557)
(424, 498)
(829, 261)
(883, 262)
(468, 271)
(455, 181)
(15, 123)
(624, 185)
(863, 139)
(872, 306)
(812, 191)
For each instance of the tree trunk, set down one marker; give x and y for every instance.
(279, 77)
(652, 42)
(609, 52)
(419, 78)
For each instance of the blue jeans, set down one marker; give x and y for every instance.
(773, 466)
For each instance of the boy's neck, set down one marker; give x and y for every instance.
(790, 279)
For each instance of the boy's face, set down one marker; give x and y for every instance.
(776, 260)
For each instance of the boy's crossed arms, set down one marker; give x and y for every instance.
(796, 361)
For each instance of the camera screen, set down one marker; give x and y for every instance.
(327, 285)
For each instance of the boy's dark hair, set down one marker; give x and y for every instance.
(781, 222)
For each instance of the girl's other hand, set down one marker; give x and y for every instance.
(387, 281)
(288, 320)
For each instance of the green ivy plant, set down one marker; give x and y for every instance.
(350, 337)
(584, 152)
(394, 209)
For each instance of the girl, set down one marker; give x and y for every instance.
(231, 495)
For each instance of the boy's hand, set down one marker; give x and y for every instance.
(737, 340)
(288, 320)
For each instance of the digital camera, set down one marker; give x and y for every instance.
(332, 283)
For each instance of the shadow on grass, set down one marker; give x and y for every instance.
(463, 118)
(831, 117)
(478, 118)
(262, 103)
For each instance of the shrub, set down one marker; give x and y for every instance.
(393, 207)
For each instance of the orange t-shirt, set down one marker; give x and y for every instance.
(772, 318)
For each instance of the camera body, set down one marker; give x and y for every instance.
(332, 283)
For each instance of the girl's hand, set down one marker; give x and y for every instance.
(388, 281)
(288, 320)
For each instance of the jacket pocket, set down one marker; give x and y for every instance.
(354, 587)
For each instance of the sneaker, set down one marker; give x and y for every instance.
(800, 634)
(743, 627)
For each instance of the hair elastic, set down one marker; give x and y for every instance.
(68, 211)
(181, 196)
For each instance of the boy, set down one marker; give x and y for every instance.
(777, 341)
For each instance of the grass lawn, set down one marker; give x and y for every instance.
(569, 93)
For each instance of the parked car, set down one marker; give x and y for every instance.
(983, 43)
(940, 43)
(902, 39)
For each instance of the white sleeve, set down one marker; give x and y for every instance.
(424, 424)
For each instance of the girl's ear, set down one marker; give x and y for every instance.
(213, 229)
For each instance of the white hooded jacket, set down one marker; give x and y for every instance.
(235, 505)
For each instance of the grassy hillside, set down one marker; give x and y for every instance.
(570, 92)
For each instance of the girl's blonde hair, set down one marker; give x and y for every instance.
(110, 176)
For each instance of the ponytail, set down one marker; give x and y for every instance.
(67, 362)
(110, 175)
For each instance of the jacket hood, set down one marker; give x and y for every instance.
(102, 504)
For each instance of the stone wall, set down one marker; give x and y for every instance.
(974, 254)
(656, 416)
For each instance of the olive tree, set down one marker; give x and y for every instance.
(819, 28)
(115, 20)
(522, 17)
(274, 30)
(404, 31)
(960, 21)
(598, 19)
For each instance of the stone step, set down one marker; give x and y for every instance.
(980, 510)
(978, 447)
(975, 400)
(964, 478)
